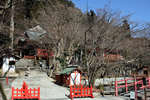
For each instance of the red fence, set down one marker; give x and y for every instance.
(135, 83)
(29, 57)
(80, 91)
(25, 93)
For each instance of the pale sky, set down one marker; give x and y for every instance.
(139, 8)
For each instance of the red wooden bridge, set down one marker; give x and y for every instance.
(136, 82)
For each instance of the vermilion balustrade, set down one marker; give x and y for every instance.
(135, 83)
(25, 93)
(80, 91)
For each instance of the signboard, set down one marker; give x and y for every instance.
(132, 95)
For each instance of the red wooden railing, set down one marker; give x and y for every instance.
(135, 83)
(29, 57)
(25, 93)
(80, 91)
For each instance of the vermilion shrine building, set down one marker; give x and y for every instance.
(40, 54)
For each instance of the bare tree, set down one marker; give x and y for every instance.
(139, 46)
(63, 30)
(107, 33)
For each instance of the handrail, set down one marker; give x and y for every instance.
(129, 84)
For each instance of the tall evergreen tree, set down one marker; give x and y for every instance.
(91, 17)
(32, 8)
(126, 27)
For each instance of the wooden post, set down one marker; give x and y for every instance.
(12, 93)
(145, 89)
(71, 93)
(38, 93)
(91, 92)
(116, 88)
(135, 87)
(7, 80)
(145, 93)
(126, 86)
(149, 81)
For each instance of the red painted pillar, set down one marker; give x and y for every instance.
(38, 93)
(149, 81)
(116, 88)
(71, 93)
(91, 93)
(12, 93)
(6, 80)
(126, 85)
(135, 87)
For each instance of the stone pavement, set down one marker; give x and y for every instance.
(48, 89)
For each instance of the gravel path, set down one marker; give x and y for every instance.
(48, 89)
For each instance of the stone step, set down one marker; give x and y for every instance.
(24, 63)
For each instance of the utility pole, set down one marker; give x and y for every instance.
(145, 89)
(145, 93)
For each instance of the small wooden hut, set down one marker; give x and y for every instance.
(9, 63)
(69, 76)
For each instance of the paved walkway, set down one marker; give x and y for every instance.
(48, 89)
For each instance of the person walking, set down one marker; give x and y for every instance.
(47, 67)
(41, 65)
(47, 64)
(27, 71)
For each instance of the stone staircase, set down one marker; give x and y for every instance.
(23, 63)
